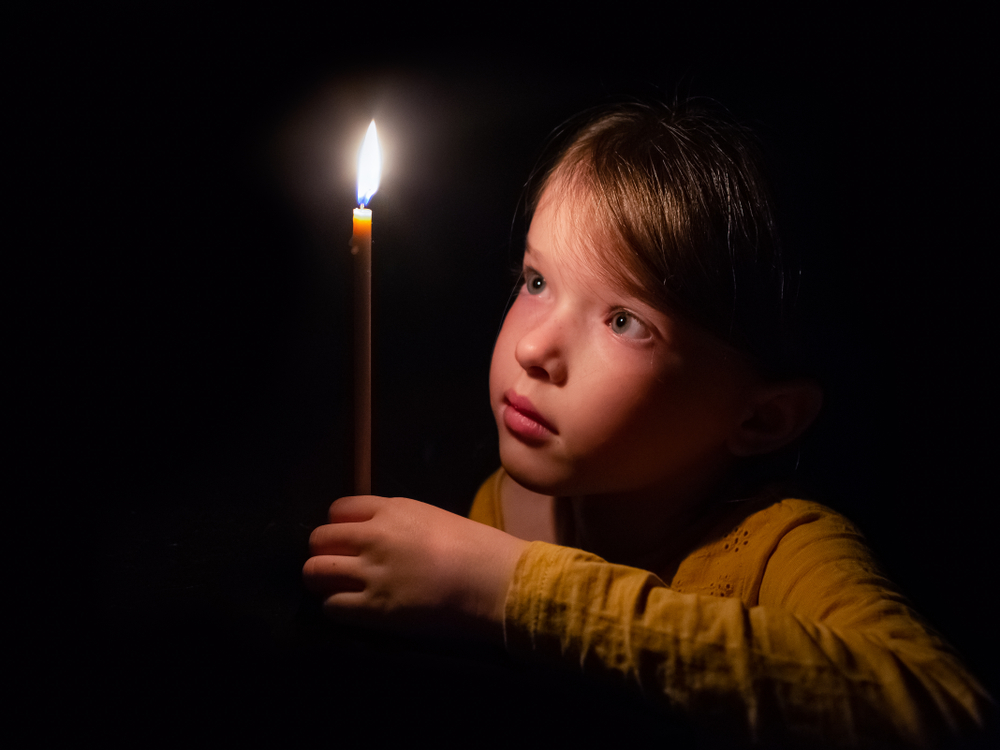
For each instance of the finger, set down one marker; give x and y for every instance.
(338, 539)
(331, 574)
(354, 508)
(350, 608)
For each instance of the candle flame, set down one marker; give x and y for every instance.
(369, 167)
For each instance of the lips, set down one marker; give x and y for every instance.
(521, 418)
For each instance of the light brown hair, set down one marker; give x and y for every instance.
(681, 193)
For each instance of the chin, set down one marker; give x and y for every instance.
(532, 475)
(537, 474)
(534, 483)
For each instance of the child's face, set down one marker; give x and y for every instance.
(593, 390)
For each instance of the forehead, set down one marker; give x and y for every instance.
(565, 243)
(574, 229)
(570, 224)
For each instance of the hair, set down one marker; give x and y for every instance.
(681, 196)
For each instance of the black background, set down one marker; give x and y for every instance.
(182, 319)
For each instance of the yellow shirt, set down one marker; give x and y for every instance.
(777, 626)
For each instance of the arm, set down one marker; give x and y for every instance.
(819, 648)
(829, 653)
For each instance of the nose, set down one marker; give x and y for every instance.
(541, 351)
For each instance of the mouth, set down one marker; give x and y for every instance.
(521, 418)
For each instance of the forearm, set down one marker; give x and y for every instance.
(754, 674)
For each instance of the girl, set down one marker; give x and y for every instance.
(641, 374)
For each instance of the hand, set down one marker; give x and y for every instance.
(406, 565)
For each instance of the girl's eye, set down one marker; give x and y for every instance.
(627, 325)
(533, 282)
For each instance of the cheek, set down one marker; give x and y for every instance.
(640, 411)
(686, 418)
(503, 355)
(610, 389)
(618, 413)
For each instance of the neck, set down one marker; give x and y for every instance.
(646, 529)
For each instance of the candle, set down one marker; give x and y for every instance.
(369, 171)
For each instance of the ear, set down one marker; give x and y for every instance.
(777, 414)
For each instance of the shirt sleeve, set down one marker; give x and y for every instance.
(826, 653)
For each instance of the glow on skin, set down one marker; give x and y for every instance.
(601, 397)
(633, 415)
